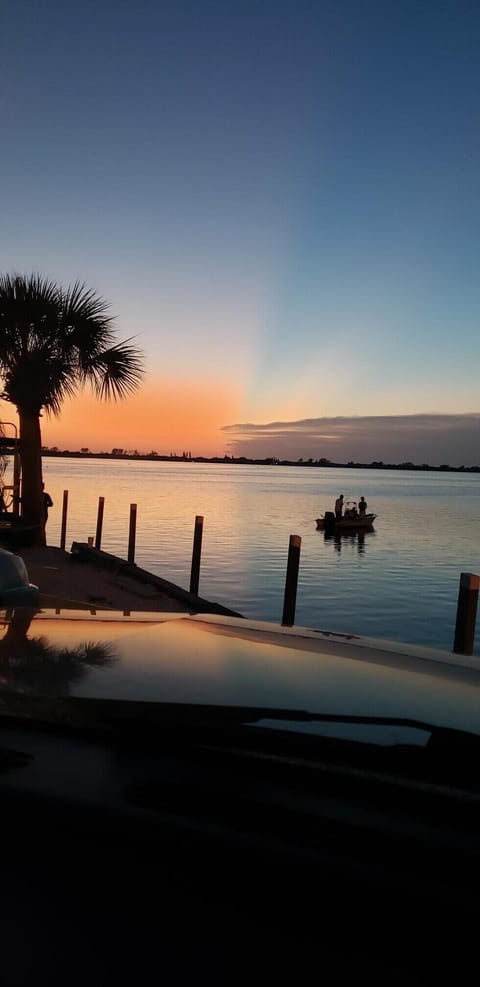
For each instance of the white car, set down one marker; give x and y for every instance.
(15, 588)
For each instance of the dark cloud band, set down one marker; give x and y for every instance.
(424, 438)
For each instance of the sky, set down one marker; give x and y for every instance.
(280, 201)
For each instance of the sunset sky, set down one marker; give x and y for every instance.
(281, 202)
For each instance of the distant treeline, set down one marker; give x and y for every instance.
(187, 457)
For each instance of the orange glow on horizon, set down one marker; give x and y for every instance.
(164, 417)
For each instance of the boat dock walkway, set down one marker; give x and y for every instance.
(98, 580)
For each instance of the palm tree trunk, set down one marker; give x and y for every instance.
(31, 460)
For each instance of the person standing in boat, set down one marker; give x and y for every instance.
(339, 507)
(362, 507)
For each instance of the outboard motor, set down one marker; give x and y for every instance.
(329, 522)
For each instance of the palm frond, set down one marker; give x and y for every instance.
(29, 307)
(53, 340)
(86, 321)
(117, 371)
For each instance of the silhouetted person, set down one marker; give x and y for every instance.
(47, 502)
(362, 506)
(339, 507)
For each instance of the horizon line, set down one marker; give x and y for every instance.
(267, 460)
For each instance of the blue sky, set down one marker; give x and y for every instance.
(281, 198)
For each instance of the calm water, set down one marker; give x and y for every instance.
(400, 581)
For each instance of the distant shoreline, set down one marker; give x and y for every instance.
(245, 461)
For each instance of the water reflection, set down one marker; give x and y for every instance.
(32, 665)
(243, 564)
(339, 539)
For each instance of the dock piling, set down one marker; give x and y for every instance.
(131, 533)
(98, 535)
(196, 554)
(466, 613)
(291, 581)
(63, 531)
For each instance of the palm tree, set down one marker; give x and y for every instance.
(54, 340)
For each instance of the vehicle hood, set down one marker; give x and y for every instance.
(230, 662)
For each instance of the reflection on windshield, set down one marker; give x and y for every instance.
(34, 666)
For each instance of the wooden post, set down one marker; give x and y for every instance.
(131, 533)
(98, 535)
(466, 613)
(16, 482)
(291, 581)
(63, 532)
(196, 553)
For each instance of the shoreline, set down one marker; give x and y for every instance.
(407, 467)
